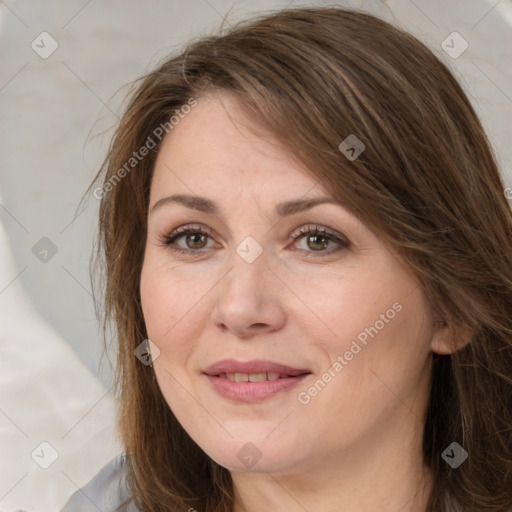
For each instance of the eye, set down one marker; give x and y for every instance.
(195, 239)
(317, 238)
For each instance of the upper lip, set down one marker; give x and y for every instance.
(254, 366)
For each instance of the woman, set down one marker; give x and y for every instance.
(305, 237)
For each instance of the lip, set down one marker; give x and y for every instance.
(254, 366)
(253, 391)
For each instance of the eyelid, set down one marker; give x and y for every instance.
(190, 227)
(317, 228)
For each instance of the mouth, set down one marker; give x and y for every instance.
(253, 381)
(252, 377)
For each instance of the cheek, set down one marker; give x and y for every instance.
(345, 307)
(376, 320)
(384, 355)
(169, 295)
(169, 305)
(366, 384)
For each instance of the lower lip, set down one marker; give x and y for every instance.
(253, 391)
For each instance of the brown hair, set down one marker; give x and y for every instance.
(427, 183)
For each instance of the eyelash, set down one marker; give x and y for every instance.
(168, 240)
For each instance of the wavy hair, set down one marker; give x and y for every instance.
(427, 184)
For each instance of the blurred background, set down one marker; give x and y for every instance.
(66, 68)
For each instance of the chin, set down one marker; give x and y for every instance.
(258, 456)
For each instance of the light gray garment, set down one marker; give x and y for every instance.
(105, 492)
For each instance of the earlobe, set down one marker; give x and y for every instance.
(442, 346)
(448, 340)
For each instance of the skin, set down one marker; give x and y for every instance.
(357, 442)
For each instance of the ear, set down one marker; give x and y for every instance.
(448, 339)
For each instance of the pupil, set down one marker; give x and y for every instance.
(316, 237)
(195, 235)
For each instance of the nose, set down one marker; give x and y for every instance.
(249, 300)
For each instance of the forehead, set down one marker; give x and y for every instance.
(216, 147)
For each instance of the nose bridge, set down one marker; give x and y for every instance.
(245, 280)
(245, 297)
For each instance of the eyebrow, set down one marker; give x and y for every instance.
(206, 205)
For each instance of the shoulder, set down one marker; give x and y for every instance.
(106, 491)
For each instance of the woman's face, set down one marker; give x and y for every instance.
(280, 347)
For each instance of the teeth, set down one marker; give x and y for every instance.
(252, 377)
(236, 377)
(257, 377)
